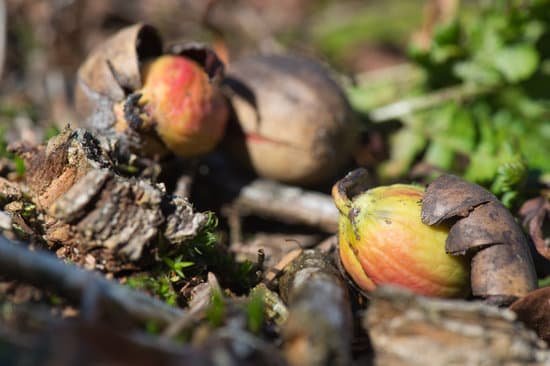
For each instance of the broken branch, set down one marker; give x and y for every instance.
(45, 271)
(319, 327)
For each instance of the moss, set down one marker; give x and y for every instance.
(156, 284)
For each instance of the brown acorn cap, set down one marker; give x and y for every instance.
(502, 268)
(112, 71)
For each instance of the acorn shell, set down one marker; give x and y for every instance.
(113, 72)
(383, 241)
(294, 123)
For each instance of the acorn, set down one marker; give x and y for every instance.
(382, 241)
(292, 122)
(156, 102)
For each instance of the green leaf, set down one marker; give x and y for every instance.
(255, 311)
(441, 54)
(19, 165)
(483, 163)
(439, 155)
(159, 286)
(516, 63)
(216, 311)
(452, 126)
(510, 178)
(471, 71)
(447, 33)
(406, 144)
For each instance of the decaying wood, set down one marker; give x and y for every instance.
(9, 191)
(319, 329)
(406, 329)
(45, 271)
(84, 343)
(91, 341)
(89, 206)
(502, 268)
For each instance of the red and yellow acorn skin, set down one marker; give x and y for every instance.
(187, 111)
(383, 241)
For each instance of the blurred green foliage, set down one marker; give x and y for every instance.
(252, 307)
(345, 28)
(158, 284)
(496, 136)
(18, 162)
(255, 309)
(216, 312)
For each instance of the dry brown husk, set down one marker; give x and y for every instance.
(502, 268)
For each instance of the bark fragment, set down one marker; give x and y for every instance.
(502, 268)
(88, 205)
(319, 329)
(407, 329)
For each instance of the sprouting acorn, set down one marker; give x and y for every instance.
(178, 101)
(382, 240)
(155, 102)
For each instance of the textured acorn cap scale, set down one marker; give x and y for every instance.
(502, 267)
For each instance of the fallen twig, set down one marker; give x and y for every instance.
(201, 300)
(270, 199)
(271, 273)
(288, 204)
(45, 271)
(319, 327)
(410, 106)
